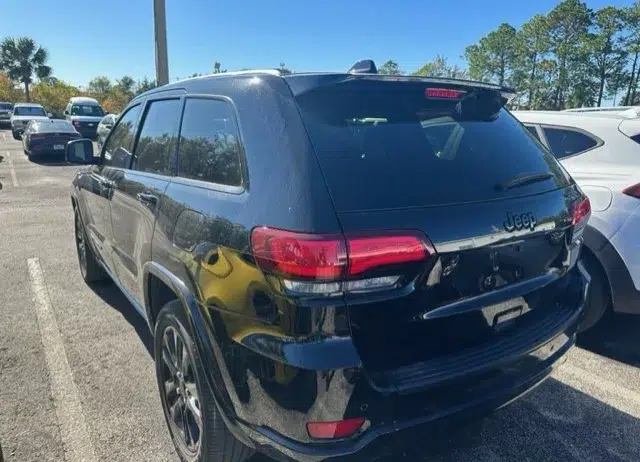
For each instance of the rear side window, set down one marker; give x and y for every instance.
(385, 145)
(565, 142)
(209, 143)
(117, 150)
(533, 130)
(156, 147)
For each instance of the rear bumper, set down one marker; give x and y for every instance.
(393, 416)
(394, 438)
(87, 132)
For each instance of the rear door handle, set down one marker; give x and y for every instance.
(148, 199)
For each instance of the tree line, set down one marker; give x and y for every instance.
(571, 57)
(26, 76)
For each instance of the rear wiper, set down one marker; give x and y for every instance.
(524, 179)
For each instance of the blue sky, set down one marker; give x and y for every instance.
(115, 37)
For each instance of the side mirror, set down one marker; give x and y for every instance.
(80, 152)
(66, 112)
(49, 114)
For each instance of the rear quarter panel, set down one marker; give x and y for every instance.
(202, 236)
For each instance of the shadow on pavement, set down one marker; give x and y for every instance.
(50, 160)
(554, 422)
(618, 338)
(111, 295)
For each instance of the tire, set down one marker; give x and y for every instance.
(90, 268)
(598, 298)
(215, 443)
(16, 136)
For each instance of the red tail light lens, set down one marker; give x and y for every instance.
(308, 256)
(335, 430)
(633, 191)
(581, 212)
(443, 93)
(334, 258)
(366, 253)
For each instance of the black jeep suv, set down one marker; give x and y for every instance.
(330, 262)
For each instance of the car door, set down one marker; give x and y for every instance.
(138, 191)
(97, 192)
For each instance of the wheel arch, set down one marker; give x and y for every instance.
(158, 279)
(594, 242)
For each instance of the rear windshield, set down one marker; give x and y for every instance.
(55, 126)
(385, 145)
(87, 110)
(6, 106)
(28, 111)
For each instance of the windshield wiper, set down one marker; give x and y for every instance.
(523, 180)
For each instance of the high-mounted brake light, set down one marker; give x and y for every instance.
(443, 93)
(633, 191)
(332, 264)
(335, 430)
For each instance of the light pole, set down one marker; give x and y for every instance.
(160, 29)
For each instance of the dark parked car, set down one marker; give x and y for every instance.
(47, 136)
(328, 261)
(6, 109)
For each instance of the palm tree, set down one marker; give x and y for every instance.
(21, 58)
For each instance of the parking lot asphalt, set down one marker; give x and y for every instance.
(77, 378)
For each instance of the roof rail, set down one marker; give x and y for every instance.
(273, 71)
(364, 66)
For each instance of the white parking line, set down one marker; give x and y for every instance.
(73, 428)
(600, 388)
(14, 177)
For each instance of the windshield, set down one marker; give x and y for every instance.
(29, 111)
(87, 110)
(5, 106)
(368, 134)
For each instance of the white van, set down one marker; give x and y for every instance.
(85, 114)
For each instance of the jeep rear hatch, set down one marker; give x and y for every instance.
(387, 143)
(459, 227)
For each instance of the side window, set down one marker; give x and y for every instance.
(117, 148)
(532, 129)
(210, 143)
(156, 147)
(565, 142)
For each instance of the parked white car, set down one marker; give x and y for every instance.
(23, 113)
(601, 151)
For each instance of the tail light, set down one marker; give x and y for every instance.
(333, 264)
(580, 213)
(335, 430)
(36, 136)
(633, 191)
(76, 123)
